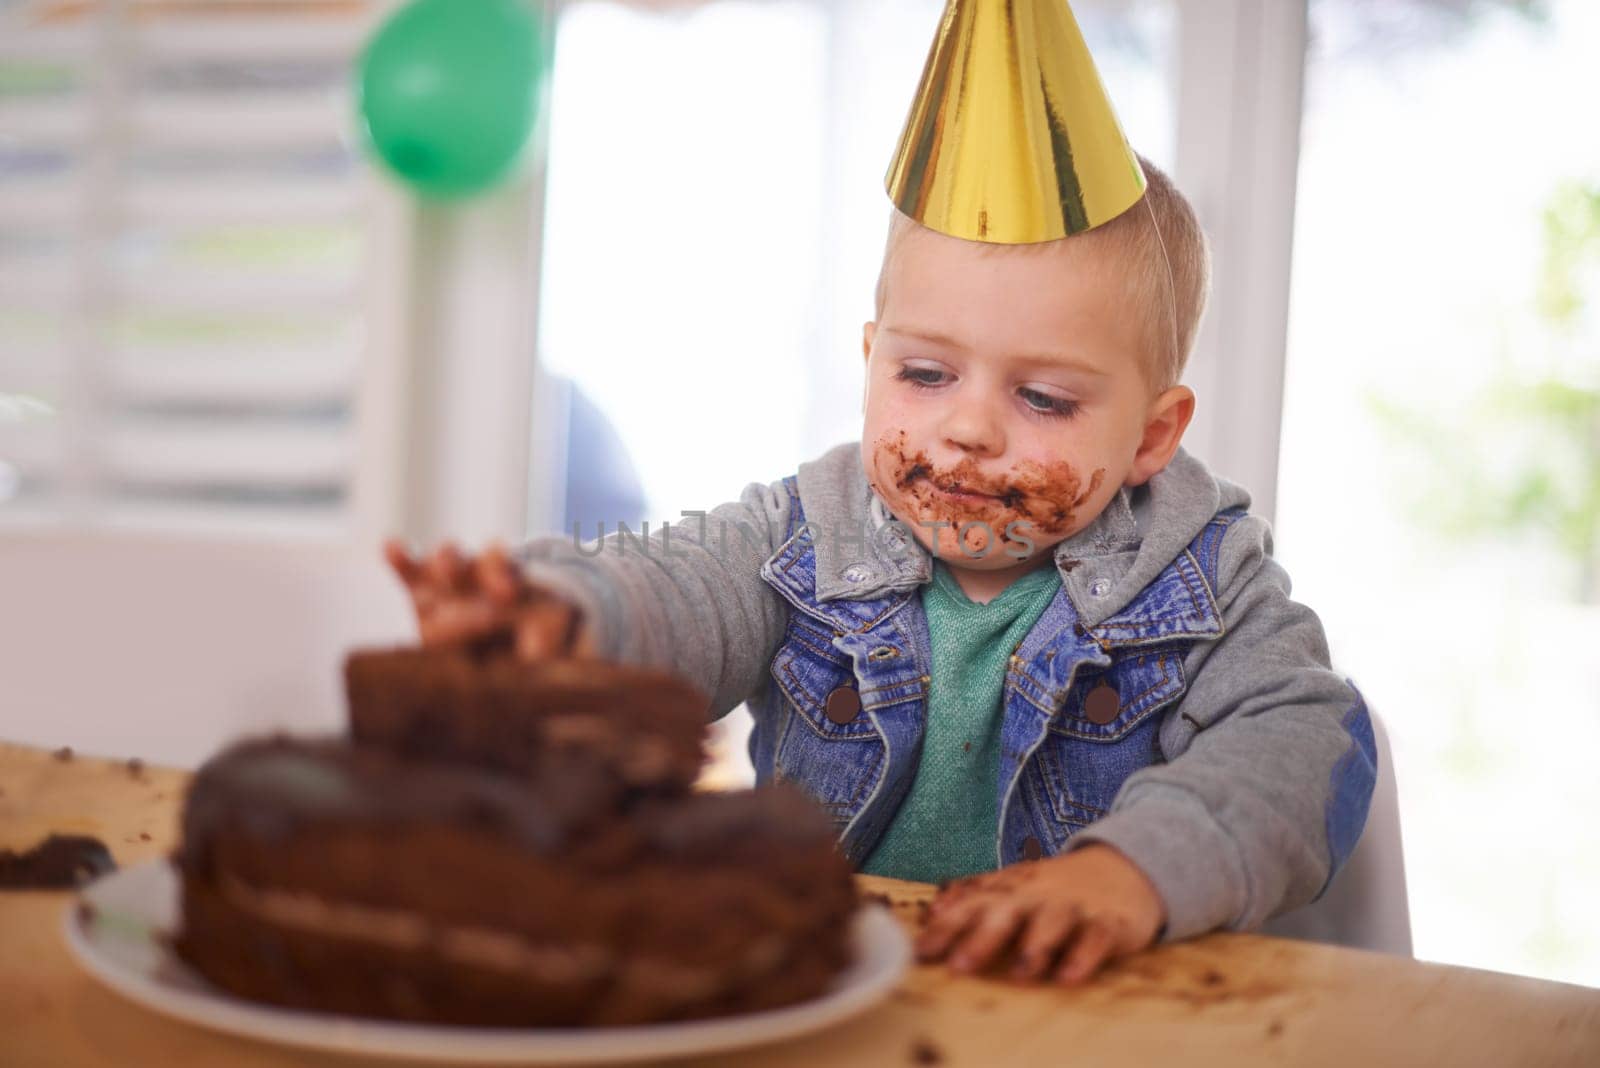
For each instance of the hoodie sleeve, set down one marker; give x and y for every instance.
(1270, 761)
(687, 598)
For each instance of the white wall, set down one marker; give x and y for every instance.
(164, 648)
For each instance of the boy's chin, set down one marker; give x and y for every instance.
(1001, 558)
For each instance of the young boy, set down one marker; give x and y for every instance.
(1015, 637)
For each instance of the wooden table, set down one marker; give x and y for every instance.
(1225, 999)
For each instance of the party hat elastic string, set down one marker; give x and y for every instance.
(1172, 284)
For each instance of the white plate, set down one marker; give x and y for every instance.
(117, 944)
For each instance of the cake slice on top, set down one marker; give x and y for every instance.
(643, 727)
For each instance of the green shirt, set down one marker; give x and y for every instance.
(946, 826)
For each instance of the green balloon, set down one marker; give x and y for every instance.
(449, 90)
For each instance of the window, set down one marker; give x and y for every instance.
(1439, 450)
(182, 263)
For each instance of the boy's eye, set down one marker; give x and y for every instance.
(920, 376)
(1038, 403)
(1058, 407)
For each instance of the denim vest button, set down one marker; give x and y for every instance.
(1102, 704)
(843, 704)
(857, 573)
(1031, 849)
(1099, 587)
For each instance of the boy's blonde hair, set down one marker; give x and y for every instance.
(1171, 305)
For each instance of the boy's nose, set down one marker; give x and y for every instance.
(975, 429)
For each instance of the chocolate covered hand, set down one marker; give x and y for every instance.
(487, 601)
(1066, 916)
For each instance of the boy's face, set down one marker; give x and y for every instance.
(1005, 397)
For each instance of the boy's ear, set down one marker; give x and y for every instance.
(1168, 418)
(868, 331)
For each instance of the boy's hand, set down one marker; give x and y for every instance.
(461, 600)
(1069, 915)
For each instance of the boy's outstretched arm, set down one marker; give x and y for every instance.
(1271, 762)
(689, 598)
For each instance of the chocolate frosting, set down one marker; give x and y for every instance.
(716, 824)
(271, 787)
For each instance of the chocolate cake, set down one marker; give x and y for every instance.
(507, 844)
(352, 879)
(644, 728)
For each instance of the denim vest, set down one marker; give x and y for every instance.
(1059, 770)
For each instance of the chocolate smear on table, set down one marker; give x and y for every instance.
(60, 862)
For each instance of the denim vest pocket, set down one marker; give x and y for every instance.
(1144, 682)
(807, 669)
(1081, 765)
(836, 763)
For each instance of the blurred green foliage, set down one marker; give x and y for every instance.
(1522, 457)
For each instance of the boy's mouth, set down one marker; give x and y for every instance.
(961, 493)
(1009, 497)
(1046, 495)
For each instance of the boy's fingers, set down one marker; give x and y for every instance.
(587, 646)
(401, 562)
(944, 928)
(458, 620)
(436, 568)
(545, 629)
(533, 643)
(996, 927)
(498, 576)
(953, 893)
(461, 577)
(1088, 951)
(1042, 942)
(446, 568)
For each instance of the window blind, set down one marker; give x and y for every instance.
(183, 252)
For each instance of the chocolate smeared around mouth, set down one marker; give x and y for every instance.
(914, 473)
(1047, 496)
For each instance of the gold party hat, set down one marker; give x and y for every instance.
(1011, 138)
